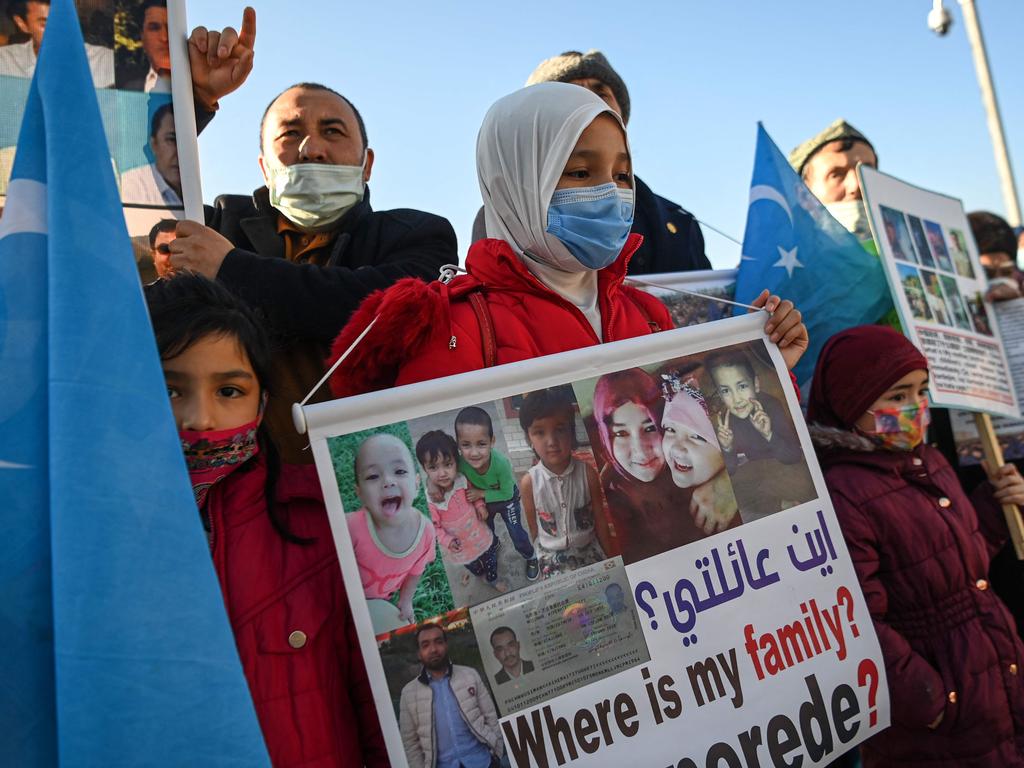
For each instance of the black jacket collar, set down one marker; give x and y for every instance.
(261, 229)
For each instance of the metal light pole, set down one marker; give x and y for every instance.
(939, 20)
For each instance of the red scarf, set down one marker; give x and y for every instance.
(214, 454)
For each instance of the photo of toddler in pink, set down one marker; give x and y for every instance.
(459, 523)
(393, 541)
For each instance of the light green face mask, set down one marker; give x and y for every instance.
(315, 195)
(853, 215)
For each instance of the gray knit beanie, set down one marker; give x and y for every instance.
(573, 65)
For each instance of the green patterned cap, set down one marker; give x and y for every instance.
(837, 131)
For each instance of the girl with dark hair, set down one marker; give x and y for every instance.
(268, 530)
(651, 515)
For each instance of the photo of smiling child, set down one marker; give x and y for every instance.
(393, 541)
(694, 457)
(753, 424)
(561, 494)
(462, 533)
(763, 455)
(491, 479)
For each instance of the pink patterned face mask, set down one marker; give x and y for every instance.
(900, 429)
(214, 454)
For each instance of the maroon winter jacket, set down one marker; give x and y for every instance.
(429, 330)
(291, 620)
(949, 644)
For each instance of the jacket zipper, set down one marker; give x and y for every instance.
(571, 307)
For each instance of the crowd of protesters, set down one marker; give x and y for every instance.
(251, 307)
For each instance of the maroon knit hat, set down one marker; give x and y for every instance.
(854, 369)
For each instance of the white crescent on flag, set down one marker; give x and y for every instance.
(764, 192)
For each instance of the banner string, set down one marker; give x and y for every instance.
(448, 271)
(340, 360)
(694, 293)
(720, 232)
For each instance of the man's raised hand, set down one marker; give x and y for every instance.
(221, 61)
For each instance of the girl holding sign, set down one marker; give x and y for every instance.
(269, 537)
(921, 549)
(556, 177)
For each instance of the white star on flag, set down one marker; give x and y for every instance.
(789, 260)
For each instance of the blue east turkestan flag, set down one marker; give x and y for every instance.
(793, 247)
(115, 649)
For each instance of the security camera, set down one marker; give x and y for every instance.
(939, 19)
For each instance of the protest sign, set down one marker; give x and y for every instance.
(938, 287)
(676, 291)
(694, 604)
(1010, 432)
(148, 114)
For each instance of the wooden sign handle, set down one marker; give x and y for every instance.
(994, 456)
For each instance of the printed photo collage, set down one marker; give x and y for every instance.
(501, 530)
(127, 48)
(934, 267)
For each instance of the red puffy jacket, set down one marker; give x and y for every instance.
(426, 331)
(288, 609)
(950, 646)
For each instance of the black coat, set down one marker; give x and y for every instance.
(372, 250)
(673, 241)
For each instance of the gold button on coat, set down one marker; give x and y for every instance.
(671, 227)
(1013, 669)
(981, 584)
(944, 502)
(952, 697)
(297, 639)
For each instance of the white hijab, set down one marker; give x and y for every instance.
(524, 142)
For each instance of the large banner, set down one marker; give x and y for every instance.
(147, 112)
(620, 555)
(938, 287)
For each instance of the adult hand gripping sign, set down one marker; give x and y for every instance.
(197, 248)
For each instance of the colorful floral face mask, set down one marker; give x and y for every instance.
(900, 429)
(213, 455)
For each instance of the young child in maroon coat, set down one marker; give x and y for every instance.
(269, 536)
(921, 550)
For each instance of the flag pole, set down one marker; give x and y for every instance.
(994, 456)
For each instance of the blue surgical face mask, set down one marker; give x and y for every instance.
(592, 222)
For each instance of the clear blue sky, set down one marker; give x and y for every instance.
(700, 76)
